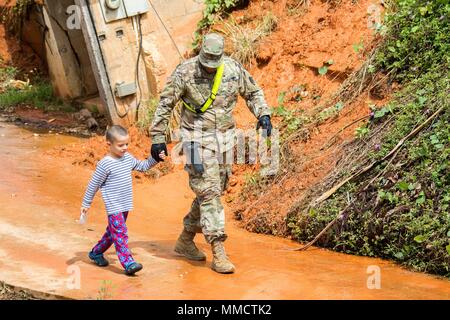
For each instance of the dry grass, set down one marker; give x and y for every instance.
(246, 39)
(298, 7)
(146, 114)
(8, 293)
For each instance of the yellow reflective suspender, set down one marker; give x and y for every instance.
(212, 97)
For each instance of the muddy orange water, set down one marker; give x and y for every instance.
(42, 247)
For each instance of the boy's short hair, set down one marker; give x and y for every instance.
(114, 131)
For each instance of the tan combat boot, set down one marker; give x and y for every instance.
(186, 246)
(220, 262)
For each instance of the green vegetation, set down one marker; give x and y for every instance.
(213, 9)
(38, 94)
(244, 38)
(291, 120)
(401, 209)
(147, 113)
(417, 38)
(324, 68)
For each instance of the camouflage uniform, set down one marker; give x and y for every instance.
(213, 130)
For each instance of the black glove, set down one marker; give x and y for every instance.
(156, 150)
(191, 150)
(266, 125)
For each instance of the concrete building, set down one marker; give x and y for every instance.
(116, 54)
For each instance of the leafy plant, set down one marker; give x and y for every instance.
(39, 95)
(331, 111)
(380, 113)
(417, 38)
(404, 214)
(213, 9)
(358, 47)
(291, 121)
(324, 68)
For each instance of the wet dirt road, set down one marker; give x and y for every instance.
(43, 249)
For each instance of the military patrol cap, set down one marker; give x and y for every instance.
(211, 53)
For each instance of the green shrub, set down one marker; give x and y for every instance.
(418, 38)
(213, 10)
(405, 213)
(39, 95)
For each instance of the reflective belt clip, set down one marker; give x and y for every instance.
(214, 91)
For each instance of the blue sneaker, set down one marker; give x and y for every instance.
(98, 259)
(133, 268)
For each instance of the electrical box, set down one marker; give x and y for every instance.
(114, 10)
(136, 7)
(125, 89)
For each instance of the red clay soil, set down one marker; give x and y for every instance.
(87, 153)
(303, 43)
(291, 56)
(15, 53)
(32, 114)
(44, 250)
(19, 55)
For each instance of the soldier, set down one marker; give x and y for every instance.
(208, 86)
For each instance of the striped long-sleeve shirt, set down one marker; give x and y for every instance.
(113, 178)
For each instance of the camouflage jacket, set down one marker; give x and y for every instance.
(214, 128)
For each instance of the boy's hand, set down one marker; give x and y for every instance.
(83, 215)
(162, 155)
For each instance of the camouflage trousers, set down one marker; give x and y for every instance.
(207, 214)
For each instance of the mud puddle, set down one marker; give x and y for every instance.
(43, 249)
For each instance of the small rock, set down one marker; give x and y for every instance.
(91, 123)
(85, 114)
(233, 182)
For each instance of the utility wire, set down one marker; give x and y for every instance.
(167, 30)
(139, 26)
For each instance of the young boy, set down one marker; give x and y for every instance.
(113, 177)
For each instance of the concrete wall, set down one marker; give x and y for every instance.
(159, 56)
(66, 54)
(70, 66)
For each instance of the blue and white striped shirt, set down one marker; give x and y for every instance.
(113, 178)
